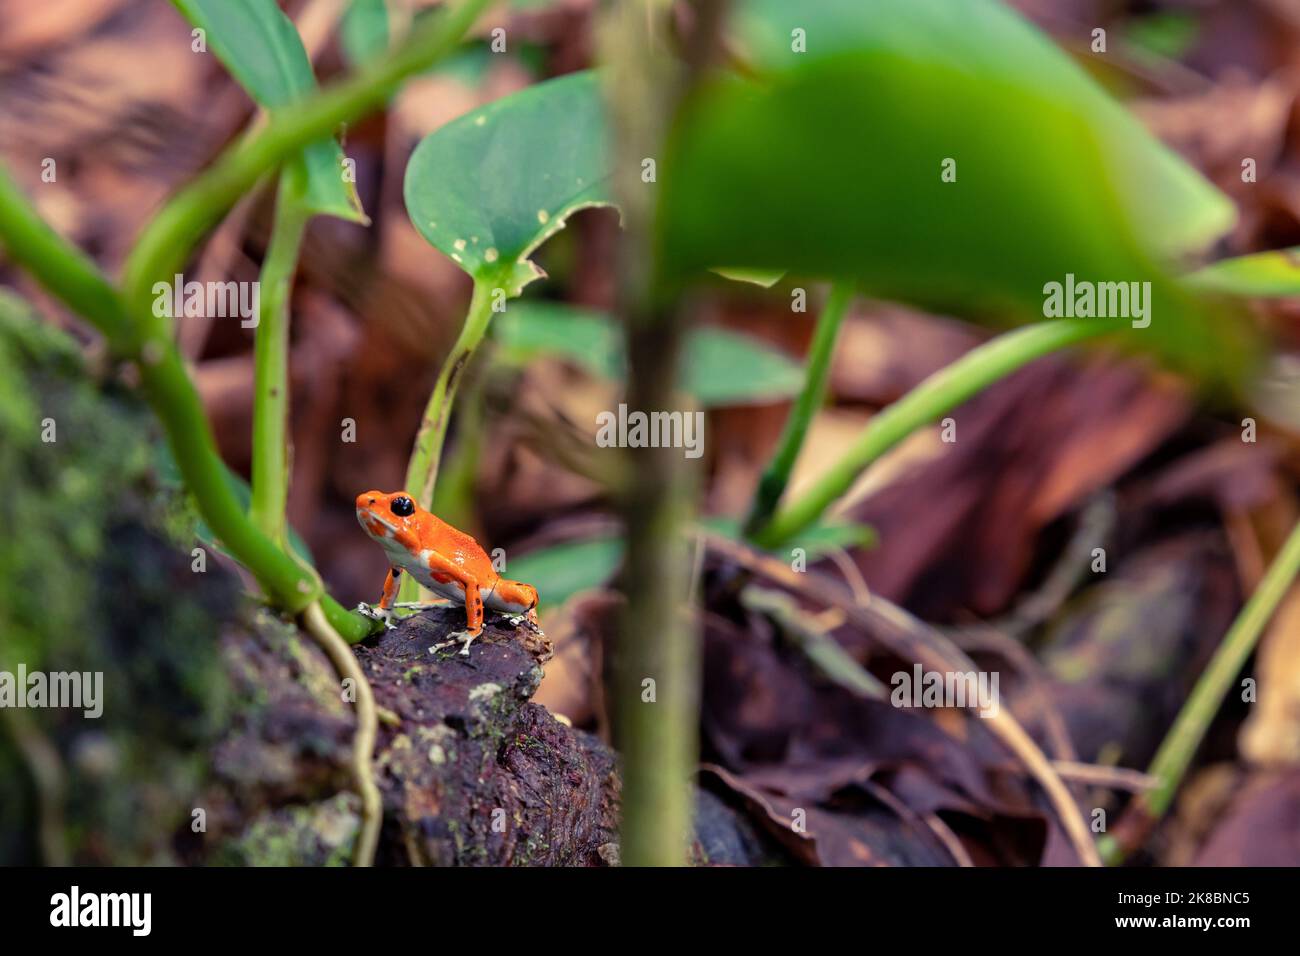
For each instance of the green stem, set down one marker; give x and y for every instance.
(270, 471)
(166, 242)
(453, 497)
(166, 385)
(1180, 744)
(940, 393)
(773, 483)
(654, 661)
(60, 267)
(171, 393)
(168, 388)
(134, 332)
(422, 470)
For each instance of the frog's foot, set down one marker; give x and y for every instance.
(376, 613)
(464, 638)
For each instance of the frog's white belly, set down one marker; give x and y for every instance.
(452, 589)
(418, 567)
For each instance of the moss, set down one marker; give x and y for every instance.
(530, 744)
(535, 847)
(319, 834)
(313, 671)
(54, 490)
(90, 580)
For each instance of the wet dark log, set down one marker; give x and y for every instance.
(473, 773)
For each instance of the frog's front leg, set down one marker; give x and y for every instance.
(383, 611)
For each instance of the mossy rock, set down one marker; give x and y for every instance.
(92, 583)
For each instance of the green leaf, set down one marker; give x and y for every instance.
(816, 540)
(719, 367)
(490, 187)
(830, 163)
(527, 329)
(982, 50)
(1263, 275)
(766, 278)
(363, 31)
(261, 48)
(561, 571)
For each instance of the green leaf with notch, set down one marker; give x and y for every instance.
(490, 187)
(261, 48)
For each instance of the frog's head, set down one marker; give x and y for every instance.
(388, 518)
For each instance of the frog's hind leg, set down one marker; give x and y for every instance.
(512, 597)
(516, 600)
(473, 620)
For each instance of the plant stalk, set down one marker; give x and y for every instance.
(422, 471)
(940, 393)
(453, 496)
(777, 475)
(270, 470)
(654, 688)
(426, 456)
(60, 267)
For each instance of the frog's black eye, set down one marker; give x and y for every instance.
(402, 506)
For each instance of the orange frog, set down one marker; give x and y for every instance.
(446, 561)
